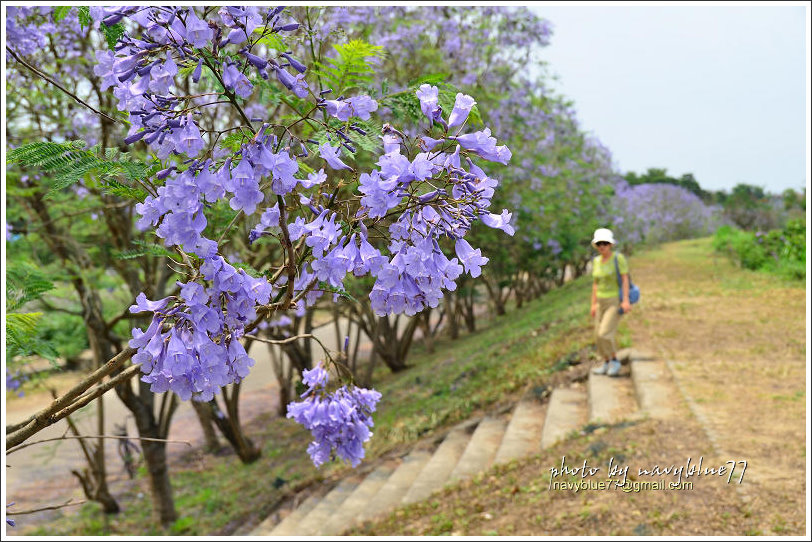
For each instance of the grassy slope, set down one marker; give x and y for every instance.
(737, 338)
(485, 370)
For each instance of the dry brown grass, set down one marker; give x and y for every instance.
(737, 342)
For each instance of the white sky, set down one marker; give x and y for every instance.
(716, 91)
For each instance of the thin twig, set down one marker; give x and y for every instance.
(67, 437)
(49, 79)
(44, 508)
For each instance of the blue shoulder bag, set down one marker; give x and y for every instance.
(634, 291)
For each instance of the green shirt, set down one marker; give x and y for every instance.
(605, 275)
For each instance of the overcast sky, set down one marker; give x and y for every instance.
(719, 92)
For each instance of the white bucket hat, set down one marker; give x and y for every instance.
(602, 234)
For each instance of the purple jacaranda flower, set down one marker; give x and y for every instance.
(314, 378)
(379, 194)
(471, 259)
(142, 304)
(197, 32)
(339, 109)
(483, 144)
(198, 71)
(104, 69)
(295, 64)
(428, 95)
(314, 178)
(256, 61)
(462, 107)
(501, 221)
(362, 106)
(234, 80)
(330, 155)
(189, 140)
(282, 169)
(391, 143)
(162, 76)
(247, 195)
(339, 421)
(428, 143)
(296, 84)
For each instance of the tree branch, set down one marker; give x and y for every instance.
(49, 79)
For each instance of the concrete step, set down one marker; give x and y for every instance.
(566, 412)
(287, 526)
(317, 517)
(656, 392)
(627, 355)
(523, 433)
(611, 399)
(345, 515)
(391, 493)
(436, 472)
(481, 449)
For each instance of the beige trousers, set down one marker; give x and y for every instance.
(606, 321)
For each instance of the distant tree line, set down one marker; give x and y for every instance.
(747, 206)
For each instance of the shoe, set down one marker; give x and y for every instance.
(614, 368)
(602, 369)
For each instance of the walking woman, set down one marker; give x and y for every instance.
(606, 299)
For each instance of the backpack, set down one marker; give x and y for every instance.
(634, 291)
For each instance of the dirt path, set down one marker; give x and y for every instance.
(736, 344)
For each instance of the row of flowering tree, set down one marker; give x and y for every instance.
(238, 142)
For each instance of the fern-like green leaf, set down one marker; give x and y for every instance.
(112, 33)
(60, 12)
(84, 16)
(351, 69)
(70, 162)
(24, 283)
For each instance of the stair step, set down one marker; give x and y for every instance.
(656, 392)
(436, 472)
(610, 398)
(317, 517)
(566, 412)
(627, 355)
(346, 514)
(393, 490)
(481, 449)
(288, 525)
(523, 434)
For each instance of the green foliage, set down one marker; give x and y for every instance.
(70, 162)
(146, 249)
(112, 33)
(60, 12)
(24, 283)
(782, 252)
(272, 41)
(352, 68)
(84, 16)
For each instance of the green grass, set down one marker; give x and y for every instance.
(477, 372)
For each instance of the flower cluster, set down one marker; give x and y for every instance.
(192, 346)
(200, 352)
(339, 421)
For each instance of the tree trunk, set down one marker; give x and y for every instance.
(163, 504)
(424, 320)
(207, 425)
(468, 310)
(453, 315)
(141, 405)
(229, 425)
